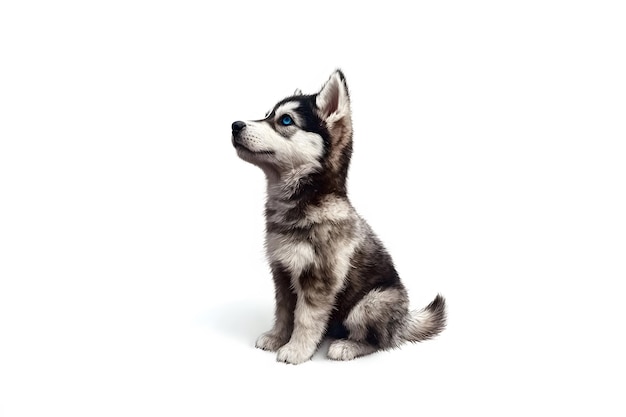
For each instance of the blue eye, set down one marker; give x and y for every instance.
(286, 120)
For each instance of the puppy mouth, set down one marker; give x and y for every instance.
(242, 148)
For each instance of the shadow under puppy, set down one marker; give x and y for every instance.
(332, 275)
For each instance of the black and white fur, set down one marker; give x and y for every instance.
(332, 275)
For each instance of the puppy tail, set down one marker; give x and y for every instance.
(427, 322)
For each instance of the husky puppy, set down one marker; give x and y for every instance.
(332, 275)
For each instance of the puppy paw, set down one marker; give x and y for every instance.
(293, 355)
(345, 350)
(339, 350)
(269, 341)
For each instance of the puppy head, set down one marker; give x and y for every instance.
(304, 133)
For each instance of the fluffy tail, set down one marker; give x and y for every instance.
(427, 322)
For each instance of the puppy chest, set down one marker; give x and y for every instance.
(321, 248)
(295, 254)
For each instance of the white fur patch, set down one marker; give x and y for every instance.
(330, 209)
(293, 254)
(343, 255)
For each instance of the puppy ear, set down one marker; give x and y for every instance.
(333, 101)
(298, 92)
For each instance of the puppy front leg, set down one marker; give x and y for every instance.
(283, 325)
(283, 316)
(309, 326)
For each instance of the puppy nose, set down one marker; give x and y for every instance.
(238, 126)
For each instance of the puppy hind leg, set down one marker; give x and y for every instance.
(374, 323)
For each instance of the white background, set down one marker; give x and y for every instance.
(489, 157)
